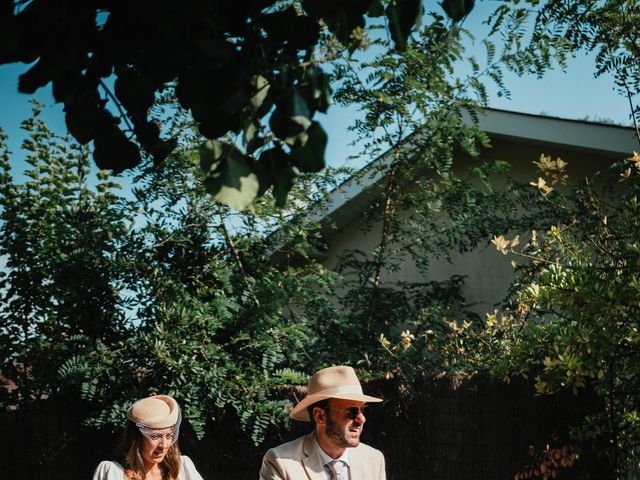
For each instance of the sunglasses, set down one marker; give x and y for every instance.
(353, 412)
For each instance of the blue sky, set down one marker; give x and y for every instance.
(571, 94)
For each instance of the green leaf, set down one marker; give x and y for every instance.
(268, 164)
(274, 168)
(114, 151)
(285, 180)
(319, 85)
(291, 117)
(376, 8)
(403, 15)
(457, 9)
(260, 89)
(308, 152)
(249, 133)
(211, 152)
(231, 177)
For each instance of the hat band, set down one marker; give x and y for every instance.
(342, 390)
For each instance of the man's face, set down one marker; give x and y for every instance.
(342, 430)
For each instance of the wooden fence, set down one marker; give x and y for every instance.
(443, 428)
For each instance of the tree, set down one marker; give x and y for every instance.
(62, 276)
(185, 296)
(541, 33)
(569, 321)
(198, 299)
(108, 298)
(419, 110)
(232, 64)
(574, 315)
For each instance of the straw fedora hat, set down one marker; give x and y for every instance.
(332, 382)
(159, 411)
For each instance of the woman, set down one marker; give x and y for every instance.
(150, 449)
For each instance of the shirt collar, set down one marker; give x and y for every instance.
(327, 459)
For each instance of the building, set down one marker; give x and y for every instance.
(516, 137)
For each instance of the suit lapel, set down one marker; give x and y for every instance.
(355, 464)
(311, 461)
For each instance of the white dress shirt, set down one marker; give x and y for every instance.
(326, 460)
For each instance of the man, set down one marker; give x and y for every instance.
(333, 451)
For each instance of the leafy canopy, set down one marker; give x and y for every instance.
(249, 68)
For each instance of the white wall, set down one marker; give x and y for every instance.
(489, 272)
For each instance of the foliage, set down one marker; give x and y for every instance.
(417, 114)
(249, 68)
(539, 33)
(110, 299)
(570, 321)
(576, 296)
(547, 462)
(181, 295)
(203, 312)
(62, 278)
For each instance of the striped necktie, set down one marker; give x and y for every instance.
(337, 470)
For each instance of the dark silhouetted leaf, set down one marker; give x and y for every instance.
(274, 169)
(82, 120)
(148, 135)
(218, 124)
(285, 180)
(37, 76)
(341, 16)
(259, 90)
(301, 32)
(65, 87)
(9, 41)
(456, 10)
(231, 178)
(113, 151)
(291, 117)
(319, 88)
(308, 152)
(403, 15)
(135, 92)
(376, 8)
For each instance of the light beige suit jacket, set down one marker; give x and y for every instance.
(300, 460)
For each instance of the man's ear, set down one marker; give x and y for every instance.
(319, 415)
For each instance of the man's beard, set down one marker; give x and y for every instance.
(338, 437)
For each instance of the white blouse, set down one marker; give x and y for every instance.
(108, 470)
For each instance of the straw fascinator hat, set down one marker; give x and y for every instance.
(332, 382)
(159, 411)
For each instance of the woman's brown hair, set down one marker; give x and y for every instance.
(132, 460)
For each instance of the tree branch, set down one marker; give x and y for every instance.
(118, 105)
(236, 256)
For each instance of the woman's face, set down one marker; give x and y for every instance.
(156, 445)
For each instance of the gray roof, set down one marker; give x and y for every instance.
(347, 201)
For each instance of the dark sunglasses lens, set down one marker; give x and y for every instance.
(352, 412)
